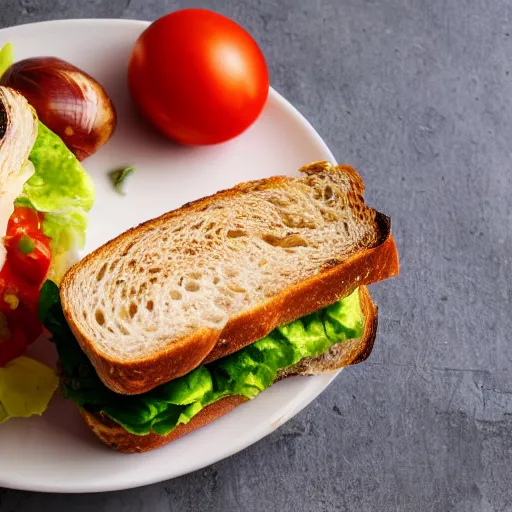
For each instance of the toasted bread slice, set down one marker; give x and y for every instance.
(341, 354)
(205, 280)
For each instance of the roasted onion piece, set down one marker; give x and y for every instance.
(67, 100)
(18, 132)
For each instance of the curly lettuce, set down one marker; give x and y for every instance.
(246, 373)
(62, 190)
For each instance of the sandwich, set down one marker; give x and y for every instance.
(177, 321)
(45, 196)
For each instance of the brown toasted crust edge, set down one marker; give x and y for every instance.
(352, 352)
(337, 280)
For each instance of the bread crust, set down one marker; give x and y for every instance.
(336, 281)
(119, 439)
(341, 354)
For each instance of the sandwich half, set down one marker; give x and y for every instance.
(177, 321)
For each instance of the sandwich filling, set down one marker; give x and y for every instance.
(246, 373)
(43, 217)
(7, 198)
(63, 193)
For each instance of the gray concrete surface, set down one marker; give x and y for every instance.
(417, 95)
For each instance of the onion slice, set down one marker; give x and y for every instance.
(67, 100)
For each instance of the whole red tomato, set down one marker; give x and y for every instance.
(198, 77)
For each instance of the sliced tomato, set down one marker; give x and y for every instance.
(19, 323)
(28, 250)
(13, 341)
(26, 220)
(29, 256)
(18, 329)
(25, 269)
(14, 287)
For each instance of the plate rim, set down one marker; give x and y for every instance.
(267, 427)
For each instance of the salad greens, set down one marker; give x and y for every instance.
(6, 57)
(26, 387)
(247, 372)
(61, 190)
(118, 178)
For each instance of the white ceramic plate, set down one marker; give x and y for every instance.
(56, 452)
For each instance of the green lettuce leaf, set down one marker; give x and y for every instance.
(62, 190)
(26, 388)
(6, 58)
(247, 373)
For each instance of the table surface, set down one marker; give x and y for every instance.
(417, 95)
